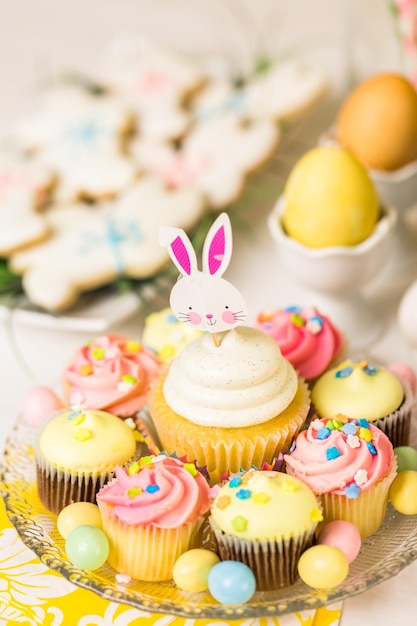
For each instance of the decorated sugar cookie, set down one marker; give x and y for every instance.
(94, 246)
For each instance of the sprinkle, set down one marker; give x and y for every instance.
(267, 325)
(292, 447)
(365, 433)
(243, 494)
(138, 436)
(371, 448)
(133, 468)
(345, 372)
(297, 320)
(191, 468)
(290, 486)
(127, 378)
(317, 424)
(349, 429)
(86, 369)
(239, 523)
(337, 424)
(361, 477)
(98, 353)
(83, 434)
(146, 460)
(362, 364)
(316, 515)
(314, 325)
(78, 419)
(123, 579)
(166, 352)
(292, 309)
(332, 453)
(74, 414)
(371, 370)
(265, 316)
(134, 491)
(171, 319)
(152, 488)
(363, 423)
(133, 346)
(342, 418)
(223, 501)
(260, 498)
(352, 491)
(353, 441)
(129, 422)
(236, 481)
(323, 433)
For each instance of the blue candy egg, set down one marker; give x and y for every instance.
(231, 582)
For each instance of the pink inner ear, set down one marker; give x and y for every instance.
(181, 254)
(216, 251)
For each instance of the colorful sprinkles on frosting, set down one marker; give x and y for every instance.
(346, 371)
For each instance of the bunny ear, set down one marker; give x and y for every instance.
(217, 249)
(179, 248)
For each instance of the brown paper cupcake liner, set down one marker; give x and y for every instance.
(273, 563)
(145, 552)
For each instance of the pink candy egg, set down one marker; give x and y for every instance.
(38, 403)
(405, 372)
(342, 535)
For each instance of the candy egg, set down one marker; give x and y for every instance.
(342, 535)
(192, 568)
(87, 547)
(38, 403)
(406, 458)
(323, 567)
(403, 492)
(231, 582)
(78, 514)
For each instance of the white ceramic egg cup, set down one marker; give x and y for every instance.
(334, 277)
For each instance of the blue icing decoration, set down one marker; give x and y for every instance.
(352, 491)
(345, 372)
(152, 488)
(171, 319)
(371, 448)
(75, 414)
(267, 325)
(243, 494)
(332, 453)
(115, 233)
(349, 429)
(363, 423)
(371, 370)
(323, 433)
(235, 481)
(292, 309)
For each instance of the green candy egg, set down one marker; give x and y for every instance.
(87, 547)
(406, 458)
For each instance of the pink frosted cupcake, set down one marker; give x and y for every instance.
(306, 338)
(112, 373)
(350, 465)
(152, 512)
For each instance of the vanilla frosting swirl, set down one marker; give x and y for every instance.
(161, 491)
(112, 373)
(340, 458)
(244, 381)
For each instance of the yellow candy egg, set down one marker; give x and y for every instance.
(78, 514)
(192, 568)
(323, 567)
(330, 199)
(403, 492)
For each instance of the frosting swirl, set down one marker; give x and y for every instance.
(306, 338)
(161, 491)
(112, 373)
(340, 456)
(242, 382)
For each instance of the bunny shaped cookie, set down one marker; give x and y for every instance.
(203, 298)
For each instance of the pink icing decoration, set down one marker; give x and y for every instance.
(181, 497)
(101, 389)
(309, 351)
(309, 463)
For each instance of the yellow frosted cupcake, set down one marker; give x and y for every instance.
(166, 335)
(152, 512)
(265, 520)
(232, 406)
(76, 453)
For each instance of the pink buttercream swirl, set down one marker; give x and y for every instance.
(306, 338)
(113, 374)
(166, 493)
(342, 462)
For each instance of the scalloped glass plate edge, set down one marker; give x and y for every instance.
(382, 556)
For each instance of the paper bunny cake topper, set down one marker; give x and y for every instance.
(204, 299)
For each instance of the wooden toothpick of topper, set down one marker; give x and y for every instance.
(204, 299)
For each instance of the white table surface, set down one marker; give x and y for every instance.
(31, 354)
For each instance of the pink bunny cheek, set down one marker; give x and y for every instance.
(194, 318)
(228, 317)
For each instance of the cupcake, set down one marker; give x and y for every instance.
(152, 512)
(112, 373)
(76, 453)
(229, 406)
(373, 392)
(266, 520)
(306, 338)
(165, 335)
(350, 464)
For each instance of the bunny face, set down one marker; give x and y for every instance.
(207, 303)
(204, 299)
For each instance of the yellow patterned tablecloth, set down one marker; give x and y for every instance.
(32, 594)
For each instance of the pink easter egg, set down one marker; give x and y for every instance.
(405, 372)
(342, 535)
(38, 403)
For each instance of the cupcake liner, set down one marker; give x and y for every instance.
(273, 563)
(367, 511)
(224, 450)
(397, 425)
(146, 552)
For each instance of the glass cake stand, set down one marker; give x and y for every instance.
(382, 556)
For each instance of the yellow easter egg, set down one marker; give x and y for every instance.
(78, 514)
(323, 567)
(192, 568)
(403, 492)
